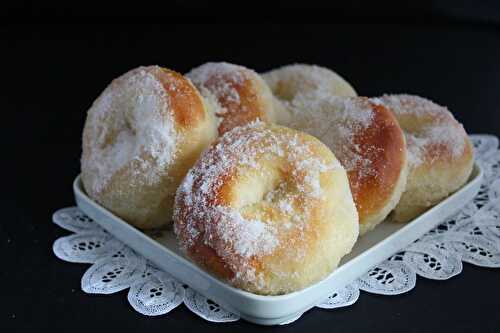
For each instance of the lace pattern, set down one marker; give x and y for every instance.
(471, 236)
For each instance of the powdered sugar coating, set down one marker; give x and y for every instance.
(222, 77)
(289, 81)
(338, 122)
(205, 212)
(427, 126)
(249, 237)
(130, 122)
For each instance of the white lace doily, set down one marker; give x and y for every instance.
(472, 236)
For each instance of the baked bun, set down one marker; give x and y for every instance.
(440, 154)
(238, 94)
(289, 81)
(266, 208)
(368, 142)
(141, 136)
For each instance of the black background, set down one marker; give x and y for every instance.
(51, 75)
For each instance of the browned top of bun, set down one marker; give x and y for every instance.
(240, 95)
(382, 143)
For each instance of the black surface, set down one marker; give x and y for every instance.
(51, 75)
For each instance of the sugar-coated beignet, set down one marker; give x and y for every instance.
(266, 208)
(141, 136)
(238, 94)
(440, 155)
(291, 80)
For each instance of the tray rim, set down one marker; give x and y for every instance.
(255, 299)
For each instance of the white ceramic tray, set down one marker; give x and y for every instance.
(369, 250)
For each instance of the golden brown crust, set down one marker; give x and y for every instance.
(209, 259)
(239, 95)
(383, 144)
(186, 104)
